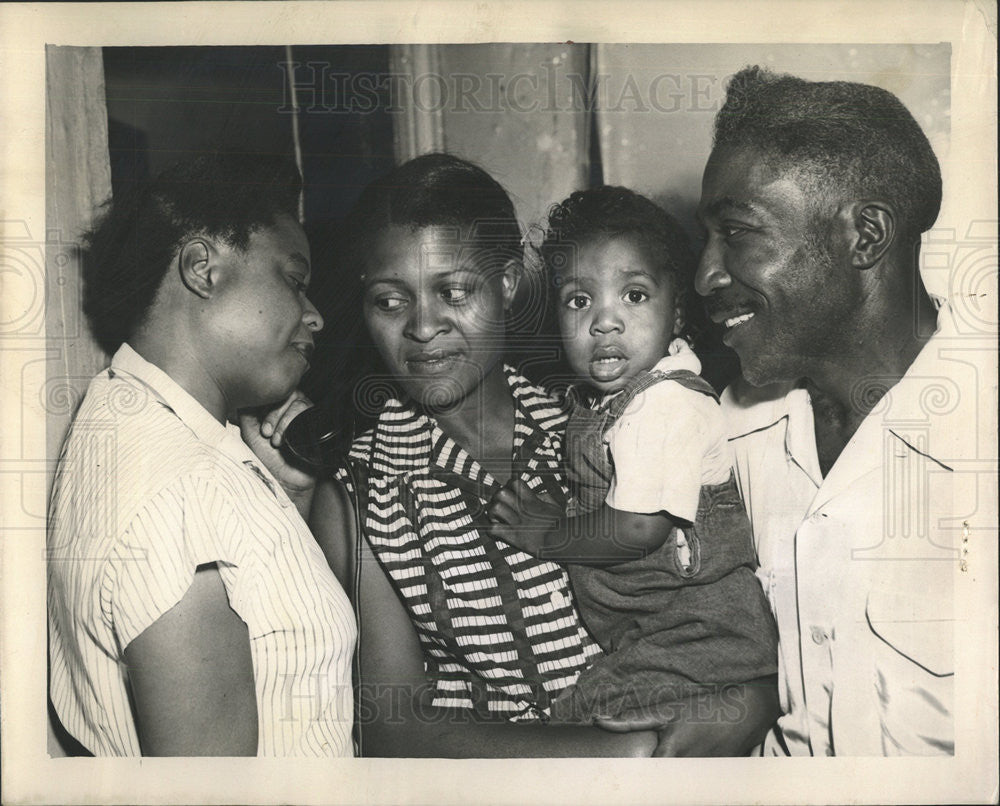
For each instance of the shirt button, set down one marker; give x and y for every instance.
(818, 635)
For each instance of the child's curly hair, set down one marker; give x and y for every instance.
(609, 211)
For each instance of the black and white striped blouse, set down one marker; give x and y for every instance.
(499, 629)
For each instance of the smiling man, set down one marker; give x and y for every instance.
(814, 200)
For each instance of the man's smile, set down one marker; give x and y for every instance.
(736, 321)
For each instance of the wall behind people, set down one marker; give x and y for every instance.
(656, 103)
(77, 180)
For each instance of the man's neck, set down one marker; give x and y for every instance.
(847, 387)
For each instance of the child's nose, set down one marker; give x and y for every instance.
(607, 319)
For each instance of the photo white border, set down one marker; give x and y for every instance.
(29, 776)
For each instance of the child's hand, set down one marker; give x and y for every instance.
(521, 517)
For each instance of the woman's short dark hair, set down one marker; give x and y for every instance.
(610, 211)
(129, 250)
(846, 137)
(436, 190)
(433, 190)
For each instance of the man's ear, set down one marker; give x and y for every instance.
(510, 280)
(874, 229)
(196, 261)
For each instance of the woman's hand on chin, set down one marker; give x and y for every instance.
(263, 431)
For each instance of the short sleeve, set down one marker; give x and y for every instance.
(153, 564)
(668, 442)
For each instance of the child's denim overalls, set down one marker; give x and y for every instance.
(688, 615)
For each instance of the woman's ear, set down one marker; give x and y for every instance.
(196, 263)
(510, 281)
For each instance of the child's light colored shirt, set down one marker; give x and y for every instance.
(669, 441)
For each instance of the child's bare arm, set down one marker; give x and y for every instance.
(605, 536)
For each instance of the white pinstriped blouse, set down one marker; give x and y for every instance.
(150, 486)
(499, 629)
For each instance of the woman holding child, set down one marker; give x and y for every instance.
(472, 639)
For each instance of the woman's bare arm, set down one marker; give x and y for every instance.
(332, 523)
(396, 716)
(191, 677)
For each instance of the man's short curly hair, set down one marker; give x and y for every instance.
(847, 138)
(129, 250)
(610, 211)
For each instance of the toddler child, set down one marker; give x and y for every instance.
(656, 537)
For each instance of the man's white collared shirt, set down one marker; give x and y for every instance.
(860, 567)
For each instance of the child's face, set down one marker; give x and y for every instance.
(617, 311)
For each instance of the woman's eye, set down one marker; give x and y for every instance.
(389, 303)
(578, 302)
(455, 294)
(635, 296)
(299, 285)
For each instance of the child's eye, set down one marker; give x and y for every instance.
(578, 302)
(635, 296)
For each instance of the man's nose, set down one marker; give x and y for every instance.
(711, 274)
(424, 322)
(312, 318)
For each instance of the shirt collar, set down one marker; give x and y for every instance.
(679, 356)
(170, 394)
(426, 443)
(224, 438)
(908, 398)
(749, 408)
(754, 408)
